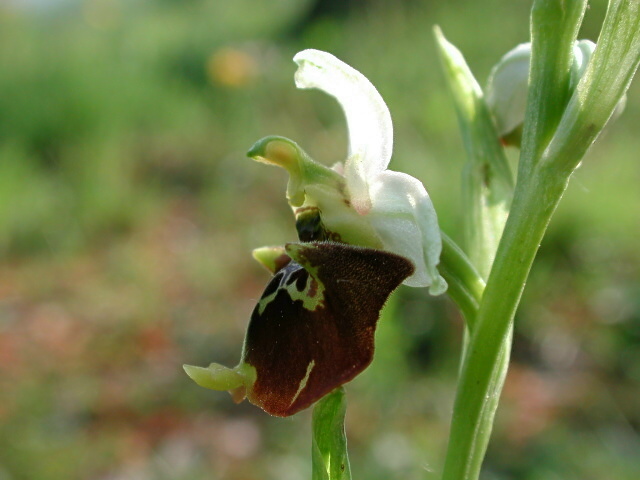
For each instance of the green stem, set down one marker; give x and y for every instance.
(554, 25)
(605, 82)
(329, 444)
(554, 28)
(465, 283)
(485, 363)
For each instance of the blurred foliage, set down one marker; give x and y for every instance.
(128, 211)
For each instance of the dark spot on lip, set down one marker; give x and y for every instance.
(273, 285)
(301, 283)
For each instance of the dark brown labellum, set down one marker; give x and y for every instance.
(313, 329)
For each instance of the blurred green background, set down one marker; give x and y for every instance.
(128, 212)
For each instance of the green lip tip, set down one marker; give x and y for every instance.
(214, 377)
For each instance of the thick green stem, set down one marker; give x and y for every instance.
(484, 369)
(554, 28)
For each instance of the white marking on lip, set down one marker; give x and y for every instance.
(303, 382)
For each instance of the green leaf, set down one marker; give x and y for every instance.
(487, 180)
(554, 29)
(329, 443)
(601, 88)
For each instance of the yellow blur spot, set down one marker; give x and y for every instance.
(231, 67)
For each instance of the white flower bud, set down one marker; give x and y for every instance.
(508, 83)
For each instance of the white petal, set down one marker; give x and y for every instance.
(403, 216)
(368, 118)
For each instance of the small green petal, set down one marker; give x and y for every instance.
(219, 377)
(303, 171)
(272, 258)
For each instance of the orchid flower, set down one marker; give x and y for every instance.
(363, 231)
(359, 201)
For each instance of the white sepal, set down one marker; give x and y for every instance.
(368, 118)
(404, 218)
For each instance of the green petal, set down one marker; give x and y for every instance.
(303, 171)
(221, 378)
(272, 258)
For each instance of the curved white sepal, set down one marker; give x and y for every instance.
(368, 118)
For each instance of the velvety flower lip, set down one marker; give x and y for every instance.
(360, 201)
(313, 328)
